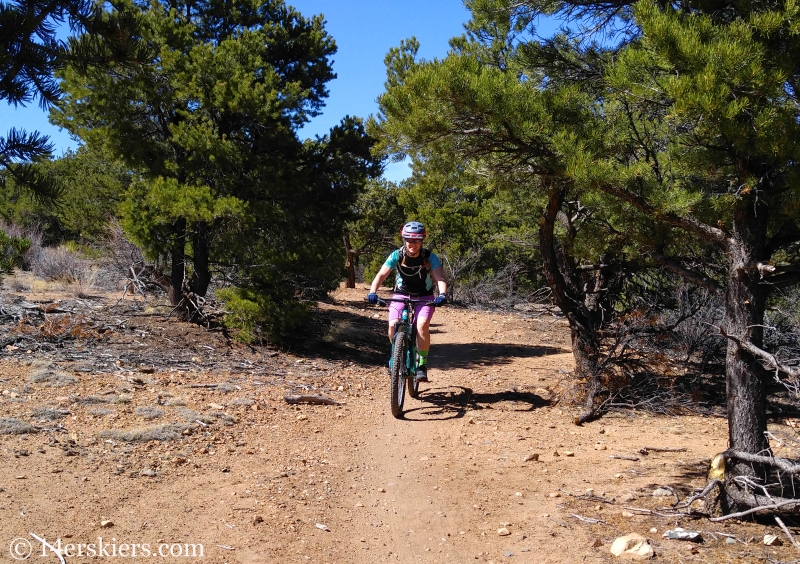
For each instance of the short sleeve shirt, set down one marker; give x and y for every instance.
(413, 276)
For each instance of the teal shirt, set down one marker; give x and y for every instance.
(413, 277)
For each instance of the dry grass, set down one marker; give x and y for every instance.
(148, 412)
(48, 413)
(51, 376)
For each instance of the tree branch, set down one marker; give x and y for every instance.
(772, 362)
(780, 463)
(687, 223)
(690, 275)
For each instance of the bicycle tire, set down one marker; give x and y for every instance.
(412, 384)
(398, 373)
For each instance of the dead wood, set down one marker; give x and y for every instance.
(644, 511)
(587, 519)
(782, 464)
(786, 530)
(623, 457)
(317, 399)
(701, 495)
(766, 507)
(648, 449)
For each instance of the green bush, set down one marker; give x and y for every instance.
(255, 316)
(12, 250)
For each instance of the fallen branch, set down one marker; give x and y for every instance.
(644, 511)
(701, 495)
(648, 449)
(317, 399)
(756, 510)
(677, 497)
(622, 457)
(786, 530)
(780, 463)
(587, 519)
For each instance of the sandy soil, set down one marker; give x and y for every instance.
(231, 466)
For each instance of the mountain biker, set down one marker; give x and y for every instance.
(417, 268)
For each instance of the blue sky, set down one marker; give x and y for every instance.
(364, 31)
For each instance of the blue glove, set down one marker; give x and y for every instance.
(372, 298)
(440, 300)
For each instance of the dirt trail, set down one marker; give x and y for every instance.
(482, 469)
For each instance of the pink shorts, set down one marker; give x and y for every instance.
(421, 310)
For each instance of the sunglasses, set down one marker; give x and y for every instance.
(413, 241)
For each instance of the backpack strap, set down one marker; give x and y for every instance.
(426, 254)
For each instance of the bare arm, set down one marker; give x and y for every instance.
(379, 278)
(438, 275)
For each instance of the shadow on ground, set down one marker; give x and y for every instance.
(341, 335)
(453, 402)
(470, 355)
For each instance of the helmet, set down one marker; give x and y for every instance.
(413, 230)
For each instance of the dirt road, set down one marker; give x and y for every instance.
(204, 463)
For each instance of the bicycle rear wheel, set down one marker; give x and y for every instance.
(411, 380)
(398, 373)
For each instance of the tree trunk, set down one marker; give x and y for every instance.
(744, 317)
(572, 302)
(350, 263)
(201, 276)
(178, 256)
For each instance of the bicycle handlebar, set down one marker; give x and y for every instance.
(385, 301)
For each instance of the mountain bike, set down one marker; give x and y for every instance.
(403, 363)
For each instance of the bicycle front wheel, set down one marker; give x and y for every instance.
(399, 373)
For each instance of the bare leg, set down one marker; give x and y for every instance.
(423, 334)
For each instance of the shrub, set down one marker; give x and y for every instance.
(148, 412)
(33, 235)
(254, 316)
(14, 426)
(51, 376)
(61, 264)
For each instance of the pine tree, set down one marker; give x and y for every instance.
(30, 54)
(210, 124)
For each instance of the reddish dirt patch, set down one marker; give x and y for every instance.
(254, 479)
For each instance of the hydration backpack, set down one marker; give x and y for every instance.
(426, 254)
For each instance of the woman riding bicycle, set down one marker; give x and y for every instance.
(417, 268)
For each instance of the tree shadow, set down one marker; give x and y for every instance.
(453, 402)
(340, 335)
(333, 334)
(467, 355)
